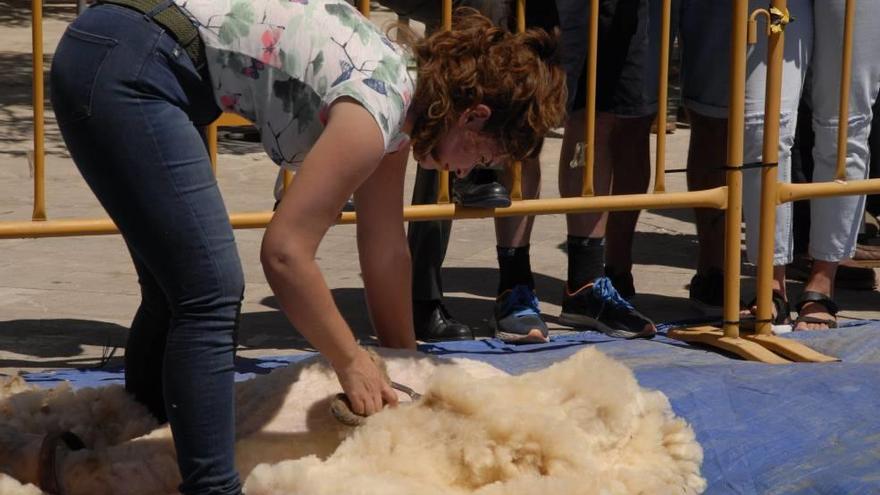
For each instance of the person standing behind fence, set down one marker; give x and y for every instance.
(132, 79)
(702, 29)
(814, 41)
(589, 298)
(597, 265)
(428, 240)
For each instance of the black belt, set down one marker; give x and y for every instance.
(168, 15)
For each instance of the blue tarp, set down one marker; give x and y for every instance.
(765, 429)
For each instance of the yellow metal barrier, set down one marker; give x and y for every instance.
(662, 95)
(709, 198)
(590, 104)
(516, 171)
(773, 192)
(729, 337)
(845, 66)
(443, 182)
(38, 159)
(761, 346)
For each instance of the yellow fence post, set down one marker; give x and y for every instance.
(516, 170)
(590, 104)
(735, 131)
(38, 92)
(845, 76)
(211, 138)
(662, 94)
(443, 182)
(769, 175)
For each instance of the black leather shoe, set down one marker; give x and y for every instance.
(480, 189)
(433, 323)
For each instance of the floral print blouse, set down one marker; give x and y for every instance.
(282, 63)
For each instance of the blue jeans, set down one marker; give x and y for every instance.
(128, 101)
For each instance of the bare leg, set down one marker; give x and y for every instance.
(631, 145)
(516, 231)
(706, 156)
(571, 179)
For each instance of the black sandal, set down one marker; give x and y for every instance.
(780, 304)
(48, 463)
(831, 307)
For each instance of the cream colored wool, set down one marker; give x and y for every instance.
(281, 415)
(573, 428)
(10, 486)
(581, 426)
(34, 410)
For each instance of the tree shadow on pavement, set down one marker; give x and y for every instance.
(58, 343)
(17, 13)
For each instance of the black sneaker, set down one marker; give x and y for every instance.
(707, 290)
(517, 317)
(599, 307)
(433, 323)
(622, 281)
(480, 189)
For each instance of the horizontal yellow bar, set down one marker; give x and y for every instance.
(796, 192)
(710, 198)
(232, 120)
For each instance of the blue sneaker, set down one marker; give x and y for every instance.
(517, 318)
(599, 307)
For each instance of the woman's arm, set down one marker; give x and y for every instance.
(384, 253)
(348, 151)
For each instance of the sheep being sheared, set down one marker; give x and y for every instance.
(580, 426)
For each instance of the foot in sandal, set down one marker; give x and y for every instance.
(780, 313)
(816, 311)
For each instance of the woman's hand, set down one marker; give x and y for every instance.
(365, 385)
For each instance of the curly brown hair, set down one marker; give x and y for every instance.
(517, 76)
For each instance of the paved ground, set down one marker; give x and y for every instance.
(67, 301)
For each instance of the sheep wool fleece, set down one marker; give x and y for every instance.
(581, 426)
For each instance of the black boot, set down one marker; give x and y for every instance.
(480, 189)
(433, 323)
